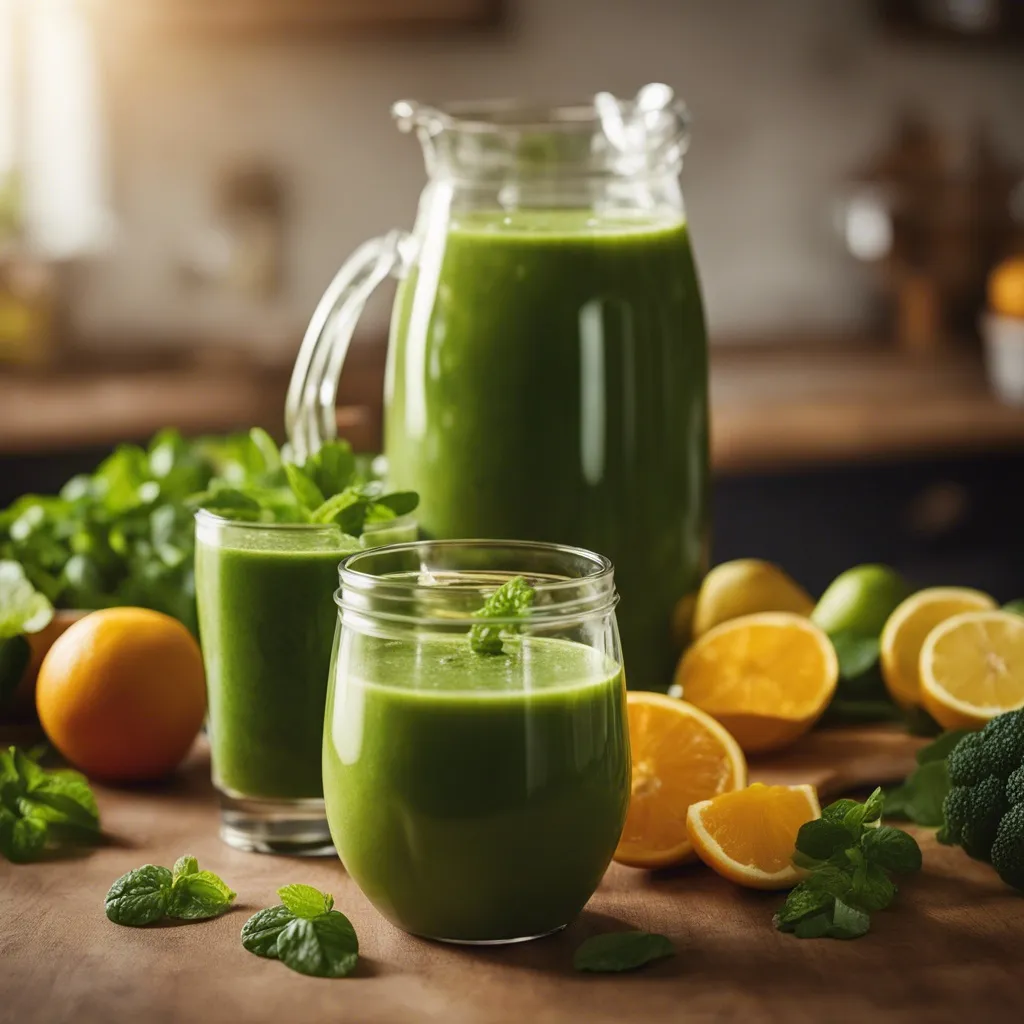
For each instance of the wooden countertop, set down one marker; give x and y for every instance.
(948, 951)
(771, 407)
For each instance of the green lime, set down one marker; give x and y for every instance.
(860, 600)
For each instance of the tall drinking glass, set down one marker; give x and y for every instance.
(476, 796)
(267, 628)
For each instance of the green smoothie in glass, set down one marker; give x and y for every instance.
(475, 797)
(267, 626)
(547, 380)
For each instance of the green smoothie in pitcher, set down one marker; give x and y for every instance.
(547, 379)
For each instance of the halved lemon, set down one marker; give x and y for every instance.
(680, 756)
(749, 836)
(743, 587)
(972, 668)
(767, 678)
(907, 628)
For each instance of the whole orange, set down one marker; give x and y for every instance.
(122, 694)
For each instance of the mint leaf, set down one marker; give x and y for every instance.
(139, 897)
(820, 839)
(305, 901)
(873, 806)
(857, 654)
(803, 901)
(512, 600)
(871, 889)
(621, 951)
(267, 448)
(332, 468)
(197, 896)
(815, 927)
(347, 510)
(260, 932)
(227, 501)
(186, 865)
(305, 490)
(325, 947)
(23, 609)
(1015, 607)
(892, 849)
(62, 798)
(402, 503)
(848, 922)
(21, 839)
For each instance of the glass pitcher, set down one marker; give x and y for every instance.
(547, 370)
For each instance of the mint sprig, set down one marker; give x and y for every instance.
(151, 893)
(305, 933)
(512, 600)
(42, 811)
(23, 609)
(850, 856)
(621, 951)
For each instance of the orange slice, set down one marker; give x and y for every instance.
(907, 628)
(680, 756)
(749, 836)
(972, 668)
(767, 677)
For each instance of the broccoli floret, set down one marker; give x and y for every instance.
(997, 750)
(981, 767)
(1008, 848)
(1015, 788)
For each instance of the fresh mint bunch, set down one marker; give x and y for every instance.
(512, 600)
(151, 893)
(621, 951)
(41, 811)
(327, 488)
(305, 933)
(850, 856)
(920, 797)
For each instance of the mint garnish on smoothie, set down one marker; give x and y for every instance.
(512, 599)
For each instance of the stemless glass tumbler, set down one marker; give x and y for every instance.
(267, 628)
(476, 795)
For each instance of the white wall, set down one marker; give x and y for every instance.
(787, 97)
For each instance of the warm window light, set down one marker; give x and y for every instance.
(50, 125)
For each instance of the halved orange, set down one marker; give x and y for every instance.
(749, 836)
(972, 668)
(907, 629)
(766, 677)
(680, 756)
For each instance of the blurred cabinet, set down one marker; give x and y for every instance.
(953, 521)
(254, 18)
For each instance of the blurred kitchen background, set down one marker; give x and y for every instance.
(179, 180)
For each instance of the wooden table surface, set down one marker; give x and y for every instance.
(949, 950)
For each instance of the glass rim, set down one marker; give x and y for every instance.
(389, 597)
(203, 515)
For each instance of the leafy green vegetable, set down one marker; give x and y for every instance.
(512, 600)
(305, 901)
(124, 535)
(151, 893)
(305, 933)
(139, 897)
(849, 857)
(23, 609)
(42, 810)
(621, 951)
(920, 797)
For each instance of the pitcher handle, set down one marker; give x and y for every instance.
(310, 417)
